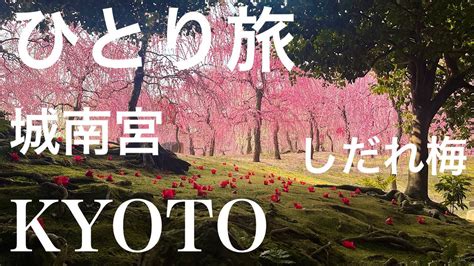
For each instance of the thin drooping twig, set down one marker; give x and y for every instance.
(321, 249)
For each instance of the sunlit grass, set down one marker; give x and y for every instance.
(328, 218)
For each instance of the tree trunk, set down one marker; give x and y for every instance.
(422, 81)
(275, 142)
(212, 145)
(318, 142)
(78, 105)
(139, 76)
(346, 126)
(288, 140)
(177, 139)
(258, 126)
(249, 141)
(417, 187)
(191, 145)
(311, 134)
(166, 160)
(331, 141)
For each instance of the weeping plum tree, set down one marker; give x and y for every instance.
(431, 40)
(150, 15)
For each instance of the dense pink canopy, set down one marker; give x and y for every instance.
(202, 103)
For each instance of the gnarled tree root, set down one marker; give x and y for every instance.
(33, 176)
(321, 249)
(48, 258)
(408, 205)
(380, 237)
(312, 237)
(12, 182)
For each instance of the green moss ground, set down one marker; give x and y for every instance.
(298, 232)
